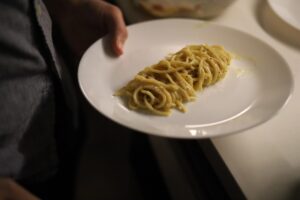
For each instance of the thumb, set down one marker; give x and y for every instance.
(117, 30)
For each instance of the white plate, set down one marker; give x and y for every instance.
(256, 87)
(288, 10)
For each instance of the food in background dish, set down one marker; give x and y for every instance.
(184, 8)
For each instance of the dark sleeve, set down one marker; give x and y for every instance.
(26, 95)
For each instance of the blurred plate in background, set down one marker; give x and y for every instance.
(288, 10)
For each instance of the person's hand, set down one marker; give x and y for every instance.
(10, 190)
(84, 21)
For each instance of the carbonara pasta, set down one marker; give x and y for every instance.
(175, 80)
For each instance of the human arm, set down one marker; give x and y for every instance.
(10, 190)
(81, 22)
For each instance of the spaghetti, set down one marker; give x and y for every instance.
(175, 80)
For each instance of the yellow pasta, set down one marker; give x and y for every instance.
(175, 80)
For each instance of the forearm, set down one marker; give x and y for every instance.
(82, 22)
(58, 8)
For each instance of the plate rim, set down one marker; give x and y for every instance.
(184, 136)
(274, 9)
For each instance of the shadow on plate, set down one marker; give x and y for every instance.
(107, 47)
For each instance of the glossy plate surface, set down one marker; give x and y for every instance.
(258, 84)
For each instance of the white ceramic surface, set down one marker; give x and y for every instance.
(288, 10)
(257, 86)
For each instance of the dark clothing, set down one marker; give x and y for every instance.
(37, 102)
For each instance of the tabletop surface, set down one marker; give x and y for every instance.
(264, 160)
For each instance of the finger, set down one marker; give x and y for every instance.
(9, 189)
(117, 30)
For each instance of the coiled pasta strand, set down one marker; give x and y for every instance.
(175, 80)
